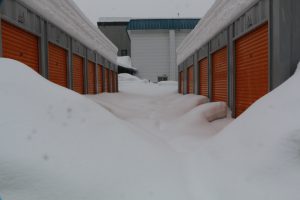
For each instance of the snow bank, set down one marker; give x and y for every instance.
(173, 83)
(67, 16)
(215, 20)
(257, 156)
(125, 61)
(133, 85)
(56, 144)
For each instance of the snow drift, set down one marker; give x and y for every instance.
(56, 144)
(257, 156)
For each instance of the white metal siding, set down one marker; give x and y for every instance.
(150, 53)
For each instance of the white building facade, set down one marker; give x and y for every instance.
(153, 46)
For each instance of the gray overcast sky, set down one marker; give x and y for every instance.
(143, 8)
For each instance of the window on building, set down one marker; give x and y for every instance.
(162, 78)
(124, 52)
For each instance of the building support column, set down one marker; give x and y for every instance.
(173, 67)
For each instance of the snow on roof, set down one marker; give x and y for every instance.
(125, 61)
(68, 17)
(114, 19)
(215, 20)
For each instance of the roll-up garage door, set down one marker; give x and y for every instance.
(117, 82)
(91, 78)
(106, 75)
(20, 45)
(181, 82)
(190, 80)
(57, 64)
(203, 69)
(220, 76)
(78, 80)
(100, 79)
(252, 61)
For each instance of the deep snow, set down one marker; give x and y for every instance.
(59, 145)
(146, 142)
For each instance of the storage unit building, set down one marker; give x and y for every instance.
(51, 49)
(249, 56)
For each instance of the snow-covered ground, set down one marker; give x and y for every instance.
(146, 142)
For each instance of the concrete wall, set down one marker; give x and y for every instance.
(118, 35)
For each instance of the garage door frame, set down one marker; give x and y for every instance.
(83, 68)
(68, 60)
(88, 77)
(210, 78)
(41, 69)
(192, 67)
(234, 60)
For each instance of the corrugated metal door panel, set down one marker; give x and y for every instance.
(57, 64)
(203, 65)
(106, 80)
(91, 78)
(191, 80)
(78, 80)
(182, 83)
(100, 79)
(112, 81)
(252, 61)
(20, 45)
(220, 76)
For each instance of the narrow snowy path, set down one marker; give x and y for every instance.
(158, 110)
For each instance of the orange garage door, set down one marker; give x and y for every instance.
(78, 74)
(251, 68)
(117, 82)
(91, 78)
(100, 79)
(106, 74)
(190, 85)
(57, 67)
(203, 69)
(20, 45)
(220, 76)
(113, 81)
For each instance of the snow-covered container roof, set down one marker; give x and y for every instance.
(68, 17)
(218, 17)
(125, 61)
(114, 19)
